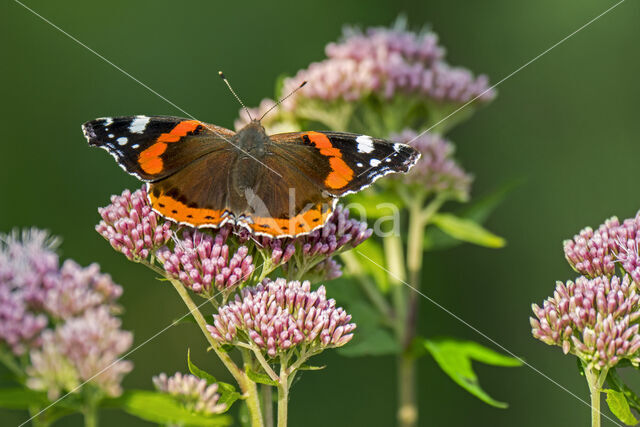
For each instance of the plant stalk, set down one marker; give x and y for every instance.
(248, 387)
(283, 393)
(596, 380)
(90, 416)
(267, 403)
(419, 217)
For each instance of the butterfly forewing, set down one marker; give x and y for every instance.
(154, 147)
(342, 163)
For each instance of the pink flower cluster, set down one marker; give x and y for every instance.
(386, 62)
(62, 315)
(595, 319)
(278, 316)
(34, 288)
(83, 349)
(204, 263)
(131, 226)
(595, 252)
(437, 170)
(194, 393)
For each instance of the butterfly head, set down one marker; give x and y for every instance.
(252, 137)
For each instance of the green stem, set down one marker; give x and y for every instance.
(407, 397)
(419, 217)
(90, 416)
(394, 255)
(38, 419)
(247, 386)
(595, 379)
(267, 403)
(283, 393)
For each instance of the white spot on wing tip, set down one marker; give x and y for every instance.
(365, 144)
(139, 124)
(122, 140)
(374, 162)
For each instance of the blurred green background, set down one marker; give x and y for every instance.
(567, 124)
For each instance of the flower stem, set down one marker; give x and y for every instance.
(407, 398)
(90, 416)
(283, 393)
(595, 379)
(267, 403)
(248, 387)
(419, 217)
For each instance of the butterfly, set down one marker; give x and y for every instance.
(282, 185)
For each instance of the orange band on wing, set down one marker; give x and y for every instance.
(181, 129)
(302, 223)
(150, 160)
(178, 211)
(341, 174)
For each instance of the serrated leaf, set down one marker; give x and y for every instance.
(620, 407)
(259, 377)
(479, 211)
(228, 393)
(454, 358)
(162, 408)
(467, 230)
(616, 383)
(200, 373)
(22, 398)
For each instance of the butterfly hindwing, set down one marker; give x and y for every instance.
(342, 163)
(197, 194)
(154, 147)
(284, 201)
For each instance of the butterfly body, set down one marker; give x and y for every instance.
(282, 185)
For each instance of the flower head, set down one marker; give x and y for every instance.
(205, 263)
(387, 61)
(83, 349)
(595, 252)
(35, 289)
(595, 319)
(277, 316)
(131, 226)
(194, 393)
(436, 170)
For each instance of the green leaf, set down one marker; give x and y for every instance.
(259, 377)
(620, 407)
(371, 337)
(479, 211)
(466, 230)
(454, 358)
(22, 398)
(306, 367)
(162, 408)
(228, 393)
(371, 256)
(616, 383)
(200, 373)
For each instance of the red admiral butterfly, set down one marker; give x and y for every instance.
(281, 185)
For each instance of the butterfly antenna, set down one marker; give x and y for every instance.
(283, 99)
(224, 79)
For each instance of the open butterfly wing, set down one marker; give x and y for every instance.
(342, 163)
(198, 194)
(154, 147)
